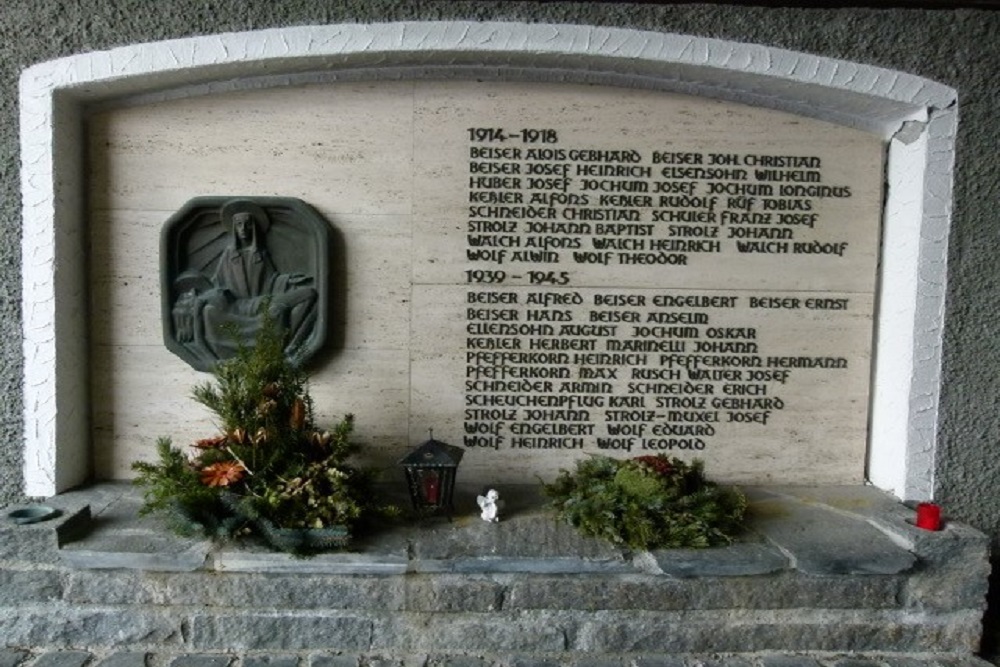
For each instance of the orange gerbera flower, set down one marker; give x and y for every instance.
(222, 473)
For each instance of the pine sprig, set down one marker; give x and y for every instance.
(170, 480)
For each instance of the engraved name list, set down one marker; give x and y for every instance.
(631, 293)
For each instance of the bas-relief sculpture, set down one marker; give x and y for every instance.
(226, 262)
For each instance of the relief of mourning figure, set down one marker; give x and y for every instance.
(221, 276)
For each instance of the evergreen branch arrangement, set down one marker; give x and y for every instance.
(647, 502)
(270, 468)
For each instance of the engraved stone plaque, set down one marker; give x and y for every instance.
(630, 273)
(538, 272)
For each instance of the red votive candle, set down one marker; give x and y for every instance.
(929, 516)
(432, 488)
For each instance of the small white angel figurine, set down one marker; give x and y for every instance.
(488, 504)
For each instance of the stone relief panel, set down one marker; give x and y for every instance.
(227, 261)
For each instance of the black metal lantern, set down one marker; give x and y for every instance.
(430, 474)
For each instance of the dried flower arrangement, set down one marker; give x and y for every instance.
(647, 502)
(270, 469)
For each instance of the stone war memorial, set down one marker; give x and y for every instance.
(541, 244)
(653, 273)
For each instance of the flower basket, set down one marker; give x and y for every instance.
(270, 468)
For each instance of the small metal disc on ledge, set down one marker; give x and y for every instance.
(33, 514)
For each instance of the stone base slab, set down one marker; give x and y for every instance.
(831, 571)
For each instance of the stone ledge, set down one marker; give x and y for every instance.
(815, 531)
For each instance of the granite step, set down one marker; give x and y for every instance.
(82, 658)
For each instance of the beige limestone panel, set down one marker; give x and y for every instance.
(346, 146)
(816, 418)
(373, 385)
(644, 123)
(338, 149)
(389, 166)
(370, 302)
(819, 434)
(125, 277)
(141, 393)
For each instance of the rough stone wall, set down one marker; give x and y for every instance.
(959, 48)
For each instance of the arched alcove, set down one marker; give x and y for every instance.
(914, 116)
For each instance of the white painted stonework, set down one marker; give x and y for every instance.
(63, 377)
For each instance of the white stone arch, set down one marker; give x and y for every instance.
(916, 116)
